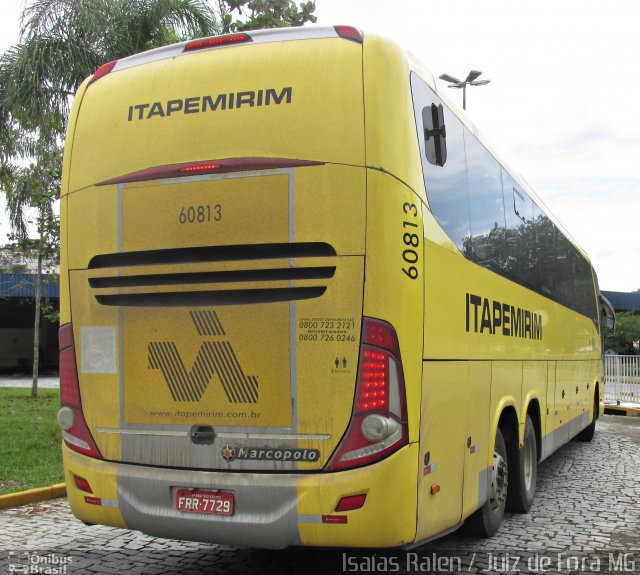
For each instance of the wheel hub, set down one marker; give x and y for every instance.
(499, 481)
(529, 462)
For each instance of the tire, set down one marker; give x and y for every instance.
(523, 471)
(486, 521)
(588, 432)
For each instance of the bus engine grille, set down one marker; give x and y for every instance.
(221, 278)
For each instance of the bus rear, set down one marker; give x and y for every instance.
(221, 379)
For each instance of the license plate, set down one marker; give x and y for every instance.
(202, 501)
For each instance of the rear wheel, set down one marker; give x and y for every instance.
(486, 520)
(523, 471)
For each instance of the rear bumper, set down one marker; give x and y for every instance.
(273, 511)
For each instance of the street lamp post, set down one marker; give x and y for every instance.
(471, 81)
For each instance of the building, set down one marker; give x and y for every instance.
(17, 315)
(623, 301)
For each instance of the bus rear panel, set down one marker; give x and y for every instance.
(214, 232)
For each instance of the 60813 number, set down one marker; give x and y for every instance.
(411, 240)
(200, 214)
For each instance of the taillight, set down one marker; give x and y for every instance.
(200, 168)
(349, 33)
(103, 70)
(217, 41)
(378, 425)
(208, 167)
(75, 431)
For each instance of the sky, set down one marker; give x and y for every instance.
(561, 107)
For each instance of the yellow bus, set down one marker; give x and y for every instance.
(304, 303)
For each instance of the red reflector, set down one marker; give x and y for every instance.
(349, 33)
(351, 502)
(103, 70)
(334, 519)
(217, 41)
(65, 336)
(93, 500)
(69, 391)
(200, 168)
(82, 484)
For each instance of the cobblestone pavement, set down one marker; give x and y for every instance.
(586, 518)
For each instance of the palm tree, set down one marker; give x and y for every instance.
(63, 42)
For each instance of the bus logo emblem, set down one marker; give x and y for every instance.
(229, 453)
(214, 357)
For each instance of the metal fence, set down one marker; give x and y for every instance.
(622, 377)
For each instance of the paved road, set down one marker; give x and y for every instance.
(586, 518)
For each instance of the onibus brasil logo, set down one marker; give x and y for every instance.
(215, 356)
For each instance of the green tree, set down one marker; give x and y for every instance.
(627, 332)
(30, 198)
(257, 14)
(63, 42)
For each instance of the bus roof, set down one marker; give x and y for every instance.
(253, 36)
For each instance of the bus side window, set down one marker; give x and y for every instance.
(440, 137)
(522, 206)
(486, 207)
(435, 134)
(545, 242)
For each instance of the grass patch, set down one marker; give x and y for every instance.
(30, 452)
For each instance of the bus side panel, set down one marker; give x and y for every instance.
(534, 388)
(597, 374)
(571, 395)
(564, 408)
(391, 129)
(393, 292)
(584, 399)
(475, 327)
(478, 446)
(573, 378)
(442, 446)
(551, 439)
(506, 393)
(394, 265)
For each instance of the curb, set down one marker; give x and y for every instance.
(32, 495)
(613, 409)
